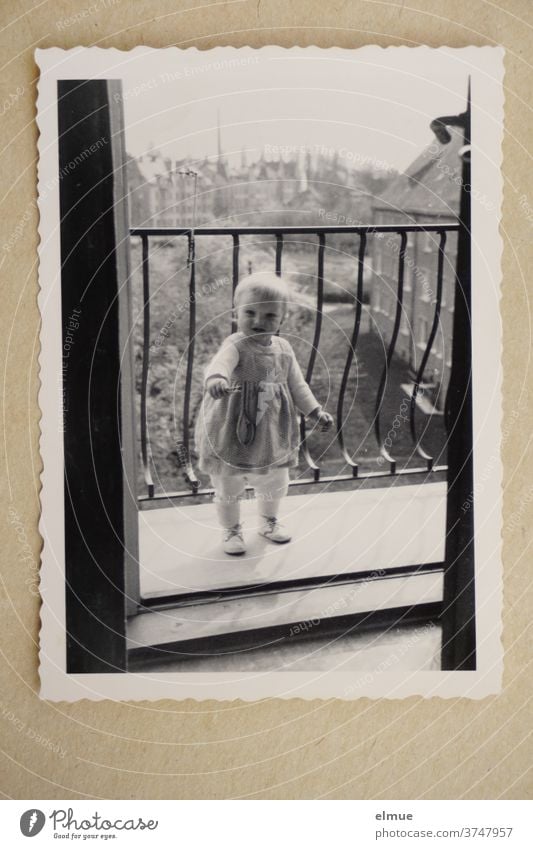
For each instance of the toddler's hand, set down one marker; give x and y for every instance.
(217, 387)
(324, 420)
(320, 417)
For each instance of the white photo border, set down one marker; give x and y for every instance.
(486, 67)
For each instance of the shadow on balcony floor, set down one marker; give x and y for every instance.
(411, 649)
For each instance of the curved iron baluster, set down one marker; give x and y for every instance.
(235, 275)
(279, 256)
(392, 344)
(440, 274)
(316, 339)
(279, 251)
(183, 449)
(351, 353)
(145, 366)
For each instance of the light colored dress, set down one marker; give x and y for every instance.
(257, 427)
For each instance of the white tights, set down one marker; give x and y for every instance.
(269, 487)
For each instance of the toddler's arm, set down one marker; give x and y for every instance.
(219, 370)
(301, 393)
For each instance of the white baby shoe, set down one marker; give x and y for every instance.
(274, 530)
(233, 542)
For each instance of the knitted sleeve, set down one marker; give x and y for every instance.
(225, 360)
(302, 396)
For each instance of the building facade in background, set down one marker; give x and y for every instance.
(285, 186)
(427, 193)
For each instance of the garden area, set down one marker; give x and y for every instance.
(169, 338)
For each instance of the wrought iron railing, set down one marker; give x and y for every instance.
(235, 233)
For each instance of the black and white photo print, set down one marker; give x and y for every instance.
(270, 372)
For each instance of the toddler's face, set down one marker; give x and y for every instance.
(260, 319)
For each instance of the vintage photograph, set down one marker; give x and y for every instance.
(270, 372)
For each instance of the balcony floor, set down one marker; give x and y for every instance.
(333, 533)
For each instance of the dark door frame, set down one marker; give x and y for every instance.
(99, 441)
(459, 603)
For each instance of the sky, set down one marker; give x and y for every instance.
(372, 106)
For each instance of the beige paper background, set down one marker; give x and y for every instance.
(413, 748)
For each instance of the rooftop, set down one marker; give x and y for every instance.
(431, 184)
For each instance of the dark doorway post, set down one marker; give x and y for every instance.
(92, 264)
(458, 620)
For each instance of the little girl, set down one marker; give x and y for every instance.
(247, 428)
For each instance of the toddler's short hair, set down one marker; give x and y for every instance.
(267, 286)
